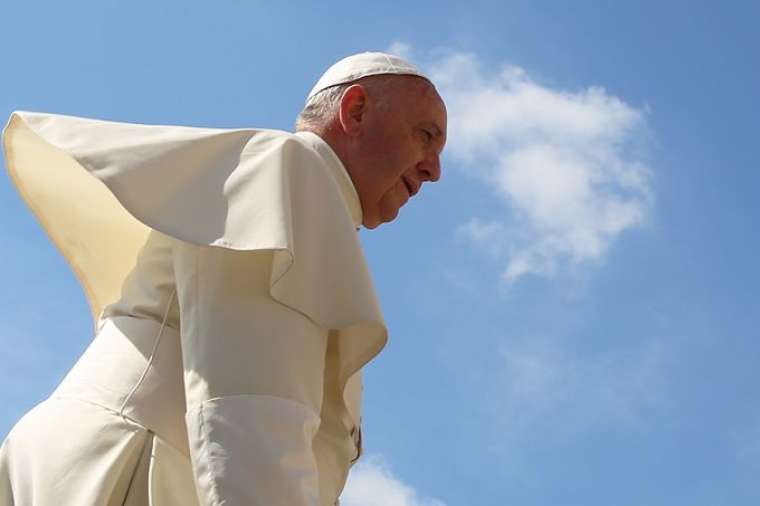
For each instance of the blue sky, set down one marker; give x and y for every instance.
(573, 307)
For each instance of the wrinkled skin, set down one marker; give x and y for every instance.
(390, 139)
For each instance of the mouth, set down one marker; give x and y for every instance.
(409, 187)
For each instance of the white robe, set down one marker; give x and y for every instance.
(233, 310)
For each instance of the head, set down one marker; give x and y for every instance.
(388, 130)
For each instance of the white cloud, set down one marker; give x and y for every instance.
(371, 483)
(567, 169)
(543, 388)
(564, 164)
(481, 234)
(401, 49)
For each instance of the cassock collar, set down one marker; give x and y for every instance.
(339, 172)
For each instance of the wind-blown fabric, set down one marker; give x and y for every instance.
(241, 189)
(99, 188)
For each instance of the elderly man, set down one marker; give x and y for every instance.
(233, 307)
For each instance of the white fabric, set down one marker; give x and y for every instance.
(361, 65)
(253, 376)
(241, 189)
(257, 464)
(257, 219)
(41, 460)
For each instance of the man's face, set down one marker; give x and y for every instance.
(402, 138)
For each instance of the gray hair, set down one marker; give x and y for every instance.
(321, 108)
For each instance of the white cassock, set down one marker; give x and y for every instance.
(233, 308)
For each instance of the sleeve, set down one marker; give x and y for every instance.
(254, 374)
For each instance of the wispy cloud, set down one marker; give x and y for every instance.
(402, 49)
(566, 164)
(371, 483)
(544, 388)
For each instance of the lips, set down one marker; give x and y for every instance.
(410, 187)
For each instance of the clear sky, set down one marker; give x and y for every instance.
(573, 308)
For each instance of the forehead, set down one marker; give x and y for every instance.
(417, 88)
(422, 98)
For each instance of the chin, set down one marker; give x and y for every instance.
(386, 213)
(390, 218)
(376, 223)
(371, 222)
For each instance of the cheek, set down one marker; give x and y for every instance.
(387, 185)
(390, 203)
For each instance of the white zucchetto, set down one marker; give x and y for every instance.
(361, 65)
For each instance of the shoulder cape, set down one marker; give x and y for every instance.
(98, 187)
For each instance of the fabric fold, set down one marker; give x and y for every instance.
(233, 459)
(98, 187)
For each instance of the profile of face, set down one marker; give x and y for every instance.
(396, 134)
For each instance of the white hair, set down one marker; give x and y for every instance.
(320, 108)
(323, 107)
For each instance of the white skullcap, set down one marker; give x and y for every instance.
(361, 65)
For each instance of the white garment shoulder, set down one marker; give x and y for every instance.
(99, 187)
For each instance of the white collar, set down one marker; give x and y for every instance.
(347, 188)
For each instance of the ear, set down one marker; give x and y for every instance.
(353, 105)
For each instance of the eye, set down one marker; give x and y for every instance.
(427, 134)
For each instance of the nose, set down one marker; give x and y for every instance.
(429, 169)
